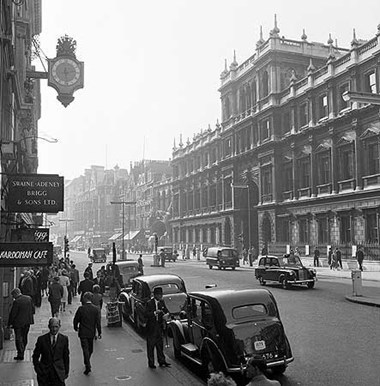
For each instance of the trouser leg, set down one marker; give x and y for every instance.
(160, 350)
(84, 342)
(150, 350)
(19, 342)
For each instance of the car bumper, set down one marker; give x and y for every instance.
(302, 281)
(275, 363)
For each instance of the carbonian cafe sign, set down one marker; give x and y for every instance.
(35, 193)
(25, 254)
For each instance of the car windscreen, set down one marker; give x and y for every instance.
(170, 288)
(128, 269)
(290, 260)
(228, 253)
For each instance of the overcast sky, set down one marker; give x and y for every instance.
(152, 68)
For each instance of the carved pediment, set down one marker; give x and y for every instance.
(325, 145)
(347, 138)
(371, 131)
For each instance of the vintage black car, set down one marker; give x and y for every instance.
(287, 271)
(223, 328)
(134, 301)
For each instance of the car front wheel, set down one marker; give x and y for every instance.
(284, 283)
(310, 284)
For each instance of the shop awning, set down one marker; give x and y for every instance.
(115, 236)
(131, 235)
(76, 239)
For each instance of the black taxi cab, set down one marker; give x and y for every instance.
(221, 329)
(287, 270)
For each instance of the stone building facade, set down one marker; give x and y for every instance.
(306, 161)
(20, 109)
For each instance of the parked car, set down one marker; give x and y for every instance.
(221, 257)
(223, 328)
(134, 301)
(98, 255)
(169, 255)
(128, 270)
(287, 271)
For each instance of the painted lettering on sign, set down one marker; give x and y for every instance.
(26, 254)
(35, 193)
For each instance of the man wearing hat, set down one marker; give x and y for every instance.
(89, 271)
(255, 372)
(156, 313)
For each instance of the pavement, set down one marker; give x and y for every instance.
(119, 358)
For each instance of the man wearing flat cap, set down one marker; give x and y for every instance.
(255, 372)
(156, 313)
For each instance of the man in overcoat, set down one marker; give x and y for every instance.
(20, 318)
(86, 323)
(156, 312)
(51, 356)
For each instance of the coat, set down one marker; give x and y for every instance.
(85, 285)
(87, 321)
(45, 357)
(153, 323)
(21, 313)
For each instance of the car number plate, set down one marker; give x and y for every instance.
(260, 345)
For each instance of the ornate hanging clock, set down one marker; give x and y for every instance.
(65, 73)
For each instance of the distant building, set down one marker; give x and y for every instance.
(309, 159)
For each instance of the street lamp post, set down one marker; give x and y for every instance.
(249, 209)
(123, 203)
(66, 220)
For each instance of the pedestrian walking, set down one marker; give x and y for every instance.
(162, 258)
(141, 265)
(360, 257)
(55, 296)
(338, 254)
(316, 257)
(97, 297)
(194, 251)
(65, 283)
(87, 323)
(85, 285)
(329, 257)
(156, 313)
(44, 280)
(26, 284)
(51, 356)
(251, 254)
(74, 276)
(255, 372)
(20, 319)
(89, 271)
(245, 256)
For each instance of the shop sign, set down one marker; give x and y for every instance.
(38, 235)
(35, 193)
(25, 254)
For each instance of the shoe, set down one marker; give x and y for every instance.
(18, 358)
(152, 366)
(165, 364)
(87, 371)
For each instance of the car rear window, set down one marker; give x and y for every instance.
(169, 288)
(130, 268)
(249, 311)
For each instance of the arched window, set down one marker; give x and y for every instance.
(265, 84)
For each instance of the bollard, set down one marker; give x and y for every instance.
(356, 277)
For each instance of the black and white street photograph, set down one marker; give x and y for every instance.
(190, 193)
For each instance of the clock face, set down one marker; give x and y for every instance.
(65, 72)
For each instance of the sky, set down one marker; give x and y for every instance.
(152, 69)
